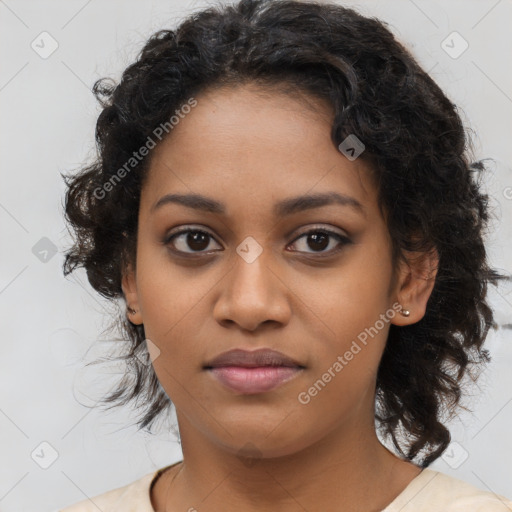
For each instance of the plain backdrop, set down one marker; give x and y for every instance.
(48, 322)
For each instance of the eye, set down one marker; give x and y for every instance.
(195, 239)
(318, 239)
(198, 241)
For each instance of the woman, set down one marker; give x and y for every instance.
(285, 202)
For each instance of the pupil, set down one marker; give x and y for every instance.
(194, 240)
(316, 237)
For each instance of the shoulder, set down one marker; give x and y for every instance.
(432, 490)
(133, 497)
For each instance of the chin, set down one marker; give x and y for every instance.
(267, 440)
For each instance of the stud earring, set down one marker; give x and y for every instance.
(131, 311)
(405, 312)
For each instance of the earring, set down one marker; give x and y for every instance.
(131, 311)
(405, 312)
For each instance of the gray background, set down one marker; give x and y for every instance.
(48, 322)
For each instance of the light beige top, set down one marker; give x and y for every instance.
(430, 491)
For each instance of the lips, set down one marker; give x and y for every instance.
(253, 372)
(252, 359)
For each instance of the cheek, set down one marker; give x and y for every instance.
(168, 301)
(352, 313)
(345, 361)
(167, 293)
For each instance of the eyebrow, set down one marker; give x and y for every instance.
(285, 207)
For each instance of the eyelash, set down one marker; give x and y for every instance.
(343, 240)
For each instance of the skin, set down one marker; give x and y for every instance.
(249, 148)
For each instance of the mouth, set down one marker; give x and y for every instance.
(253, 372)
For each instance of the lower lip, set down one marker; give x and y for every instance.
(254, 380)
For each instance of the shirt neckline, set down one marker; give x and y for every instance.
(411, 489)
(406, 495)
(154, 477)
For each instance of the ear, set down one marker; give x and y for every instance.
(415, 282)
(129, 287)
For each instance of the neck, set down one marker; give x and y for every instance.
(348, 467)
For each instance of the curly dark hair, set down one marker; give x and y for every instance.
(428, 184)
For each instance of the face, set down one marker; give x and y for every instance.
(255, 267)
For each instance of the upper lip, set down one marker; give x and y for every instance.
(252, 359)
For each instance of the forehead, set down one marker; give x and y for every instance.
(252, 145)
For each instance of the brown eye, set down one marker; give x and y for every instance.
(195, 240)
(319, 239)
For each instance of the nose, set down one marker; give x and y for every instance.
(253, 293)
